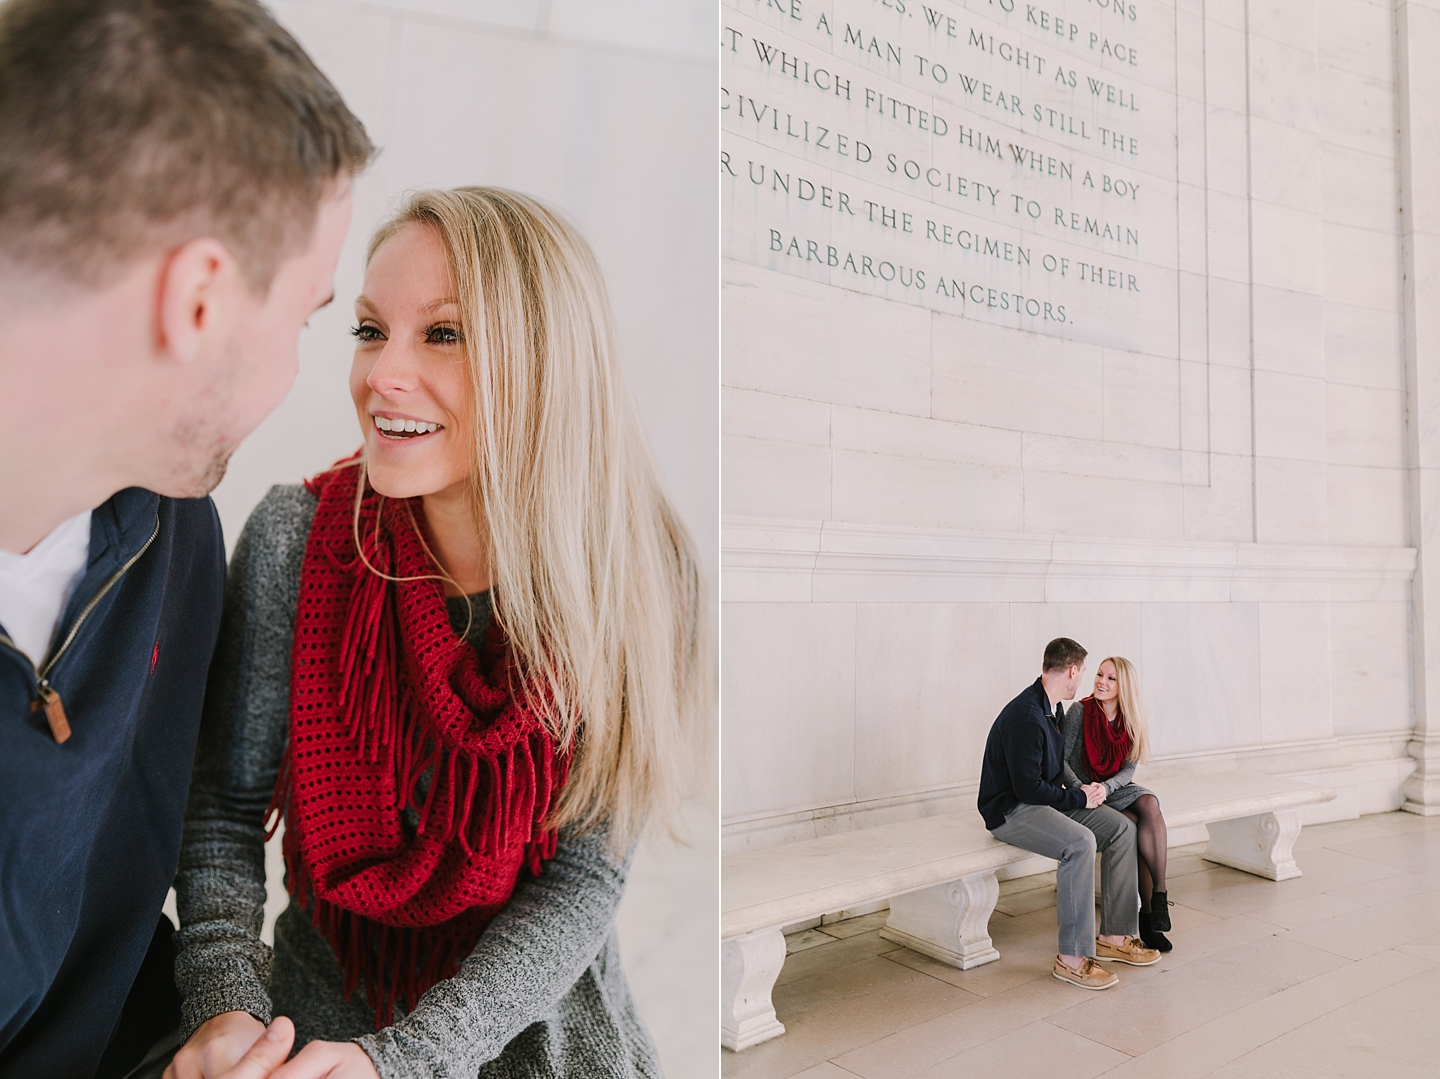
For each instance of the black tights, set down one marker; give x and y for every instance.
(1151, 841)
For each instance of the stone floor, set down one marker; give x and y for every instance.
(1335, 973)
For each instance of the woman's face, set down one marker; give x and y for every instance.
(1107, 682)
(411, 379)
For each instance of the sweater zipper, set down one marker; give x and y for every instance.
(49, 696)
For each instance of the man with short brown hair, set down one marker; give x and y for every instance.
(1025, 803)
(174, 191)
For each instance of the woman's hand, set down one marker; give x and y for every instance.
(232, 1044)
(328, 1060)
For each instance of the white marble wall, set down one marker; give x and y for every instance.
(917, 501)
(604, 110)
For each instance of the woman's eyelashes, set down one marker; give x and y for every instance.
(438, 334)
(442, 334)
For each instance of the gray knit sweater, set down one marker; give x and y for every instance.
(542, 994)
(1120, 789)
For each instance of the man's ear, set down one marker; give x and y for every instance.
(192, 278)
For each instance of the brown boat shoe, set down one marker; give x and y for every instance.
(1133, 951)
(1091, 974)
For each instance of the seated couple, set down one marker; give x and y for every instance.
(1057, 781)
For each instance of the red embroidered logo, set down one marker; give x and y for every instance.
(155, 655)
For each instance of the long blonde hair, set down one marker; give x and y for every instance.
(1127, 681)
(597, 583)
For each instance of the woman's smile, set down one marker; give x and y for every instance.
(396, 428)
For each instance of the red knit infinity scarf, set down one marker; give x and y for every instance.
(389, 709)
(1107, 745)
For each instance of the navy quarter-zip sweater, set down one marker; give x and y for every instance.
(1024, 760)
(90, 829)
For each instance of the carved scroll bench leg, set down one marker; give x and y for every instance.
(949, 922)
(749, 965)
(1263, 844)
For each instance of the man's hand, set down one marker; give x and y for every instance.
(234, 1045)
(1094, 794)
(327, 1060)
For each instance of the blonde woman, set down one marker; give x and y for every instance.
(465, 668)
(1105, 737)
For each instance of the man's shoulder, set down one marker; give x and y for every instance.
(1025, 704)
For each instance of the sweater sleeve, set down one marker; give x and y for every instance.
(1120, 778)
(1070, 732)
(221, 963)
(528, 958)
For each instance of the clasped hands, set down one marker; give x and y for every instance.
(1094, 796)
(236, 1045)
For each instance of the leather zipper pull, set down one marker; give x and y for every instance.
(54, 712)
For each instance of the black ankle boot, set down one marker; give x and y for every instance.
(1150, 936)
(1160, 911)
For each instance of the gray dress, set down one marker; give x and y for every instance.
(541, 994)
(1120, 791)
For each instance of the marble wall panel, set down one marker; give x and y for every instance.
(1225, 74)
(874, 488)
(1194, 407)
(662, 25)
(1289, 416)
(788, 683)
(1230, 429)
(1290, 22)
(1090, 506)
(1142, 399)
(897, 435)
(1286, 246)
(1361, 267)
(1284, 165)
(1283, 82)
(1226, 138)
(767, 478)
(1364, 346)
(1367, 506)
(1194, 339)
(1229, 13)
(1223, 510)
(1359, 110)
(1357, 36)
(1289, 331)
(1229, 302)
(1294, 673)
(1201, 675)
(1103, 629)
(1361, 189)
(1365, 426)
(1228, 220)
(755, 414)
(1291, 501)
(1115, 460)
(1370, 667)
(788, 337)
(1191, 239)
(502, 15)
(983, 375)
(935, 677)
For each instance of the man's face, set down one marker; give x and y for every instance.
(253, 367)
(1073, 677)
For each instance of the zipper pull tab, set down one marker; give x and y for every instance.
(54, 712)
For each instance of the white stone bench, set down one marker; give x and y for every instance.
(939, 875)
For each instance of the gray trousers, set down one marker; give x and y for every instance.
(1072, 838)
